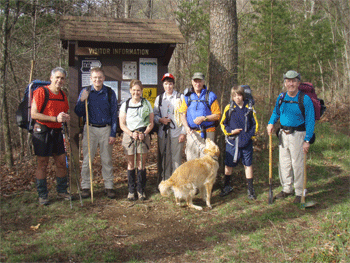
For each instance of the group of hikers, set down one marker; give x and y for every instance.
(182, 118)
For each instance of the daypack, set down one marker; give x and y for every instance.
(23, 115)
(206, 101)
(248, 98)
(308, 89)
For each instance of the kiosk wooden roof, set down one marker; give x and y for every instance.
(119, 30)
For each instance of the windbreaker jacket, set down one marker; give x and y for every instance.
(238, 121)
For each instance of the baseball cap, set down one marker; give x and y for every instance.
(168, 75)
(198, 75)
(291, 74)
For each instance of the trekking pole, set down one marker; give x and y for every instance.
(88, 139)
(66, 133)
(135, 156)
(67, 164)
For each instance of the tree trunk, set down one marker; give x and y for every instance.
(223, 57)
(3, 69)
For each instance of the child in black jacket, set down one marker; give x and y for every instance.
(239, 124)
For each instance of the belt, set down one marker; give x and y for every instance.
(98, 125)
(290, 130)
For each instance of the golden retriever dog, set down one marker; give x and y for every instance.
(198, 174)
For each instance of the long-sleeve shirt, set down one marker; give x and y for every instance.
(102, 110)
(290, 114)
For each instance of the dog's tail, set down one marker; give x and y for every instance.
(164, 188)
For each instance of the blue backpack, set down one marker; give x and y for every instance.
(23, 115)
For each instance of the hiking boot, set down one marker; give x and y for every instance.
(226, 190)
(85, 193)
(251, 194)
(282, 195)
(43, 201)
(64, 196)
(141, 196)
(110, 193)
(131, 197)
(297, 199)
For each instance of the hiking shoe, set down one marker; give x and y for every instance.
(110, 193)
(64, 196)
(226, 190)
(141, 196)
(43, 201)
(85, 193)
(282, 195)
(297, 199)
(251, 194)
(131, 197)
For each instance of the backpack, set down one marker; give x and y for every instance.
(23, 115)
(206, 101)
(308, 89)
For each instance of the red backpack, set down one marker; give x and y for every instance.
(308, 89)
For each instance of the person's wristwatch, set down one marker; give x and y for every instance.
(205, 118)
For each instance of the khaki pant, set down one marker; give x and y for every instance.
(99, 137)
(172, 152)
(193, 148)
(291, 162)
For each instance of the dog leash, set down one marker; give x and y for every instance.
(200, 146)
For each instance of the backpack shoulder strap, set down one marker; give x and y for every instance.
(127, 105)
(207, 98)
(229, 112)
(47, 96)
(109, 94)
(301, 103)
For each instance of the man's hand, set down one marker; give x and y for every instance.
(84, 95)
(269, 129)
(306, 147)
(199, 120)
(63, 117)
(111, 140)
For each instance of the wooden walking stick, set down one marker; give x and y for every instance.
(88, 139)
(304, 204)
(270, 199)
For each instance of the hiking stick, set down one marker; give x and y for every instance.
(88, 139)
(67, 164)
(304, 204)
(71, 162)
(270, 200)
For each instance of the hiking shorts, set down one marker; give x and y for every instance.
(47, 142)
(245, 153)
(129, 144)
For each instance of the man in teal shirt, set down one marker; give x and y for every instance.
(297, 129)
